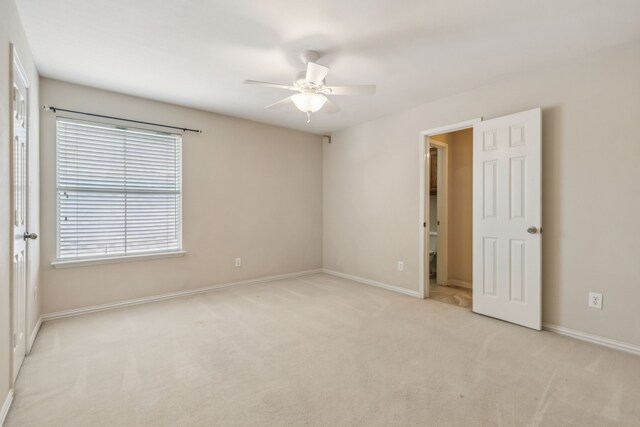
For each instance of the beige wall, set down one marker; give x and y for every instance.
(250, 190)
(371, 177)
(11, 32)
(460, 175)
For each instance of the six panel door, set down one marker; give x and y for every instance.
(19, 213)
(507, 218)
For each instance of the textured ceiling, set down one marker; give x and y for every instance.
(198, 52)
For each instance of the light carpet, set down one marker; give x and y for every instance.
(316, 351)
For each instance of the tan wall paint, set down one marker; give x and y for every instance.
(11, 32)
(371, 176)
(460, 175)
(250, 190)
(442, 137)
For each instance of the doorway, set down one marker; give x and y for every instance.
(450, 185)
(506, 216)
(427, 139)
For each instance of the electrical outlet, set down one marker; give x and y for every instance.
(595, 300)
(238, 262)
(400, 266)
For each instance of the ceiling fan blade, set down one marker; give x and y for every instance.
(316, 73)
(276, 85)
(350, 90)
(329, 107)
(279, 104)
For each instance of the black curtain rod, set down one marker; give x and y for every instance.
(54, 109)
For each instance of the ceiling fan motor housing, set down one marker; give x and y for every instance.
(309, 56)
(301, 79)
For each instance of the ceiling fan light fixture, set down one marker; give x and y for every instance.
(312, 88)
(309, 102)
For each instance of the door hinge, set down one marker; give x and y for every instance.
(424, 224)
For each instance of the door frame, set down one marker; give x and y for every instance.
(15, 62)
(442, 229)
(424, 201)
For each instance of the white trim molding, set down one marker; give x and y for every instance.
(116, 259)
(33, 335)
(387, 286)
(178, 294)
(442, 211)
(424, 290)
(6, 406)
(594, 339)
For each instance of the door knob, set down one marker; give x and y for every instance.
(32, 236)
(532, 230)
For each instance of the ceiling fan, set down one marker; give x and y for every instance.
(312, 89)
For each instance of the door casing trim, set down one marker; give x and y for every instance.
(424, 290)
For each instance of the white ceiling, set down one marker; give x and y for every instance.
(198, 52)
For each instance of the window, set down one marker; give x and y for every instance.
(119, 191)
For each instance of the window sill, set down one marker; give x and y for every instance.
(114, 260)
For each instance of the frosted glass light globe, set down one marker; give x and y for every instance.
(309, 102)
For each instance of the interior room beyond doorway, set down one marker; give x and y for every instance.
(449, 258)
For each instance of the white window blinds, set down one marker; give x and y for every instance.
(119, 190)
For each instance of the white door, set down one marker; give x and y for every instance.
(507, 154)
(19, 212)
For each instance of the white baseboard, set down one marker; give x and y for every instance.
(5, 407)
(374, 283)
(595, 339)
(33, 335)
(460, 283)
(161, 297)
